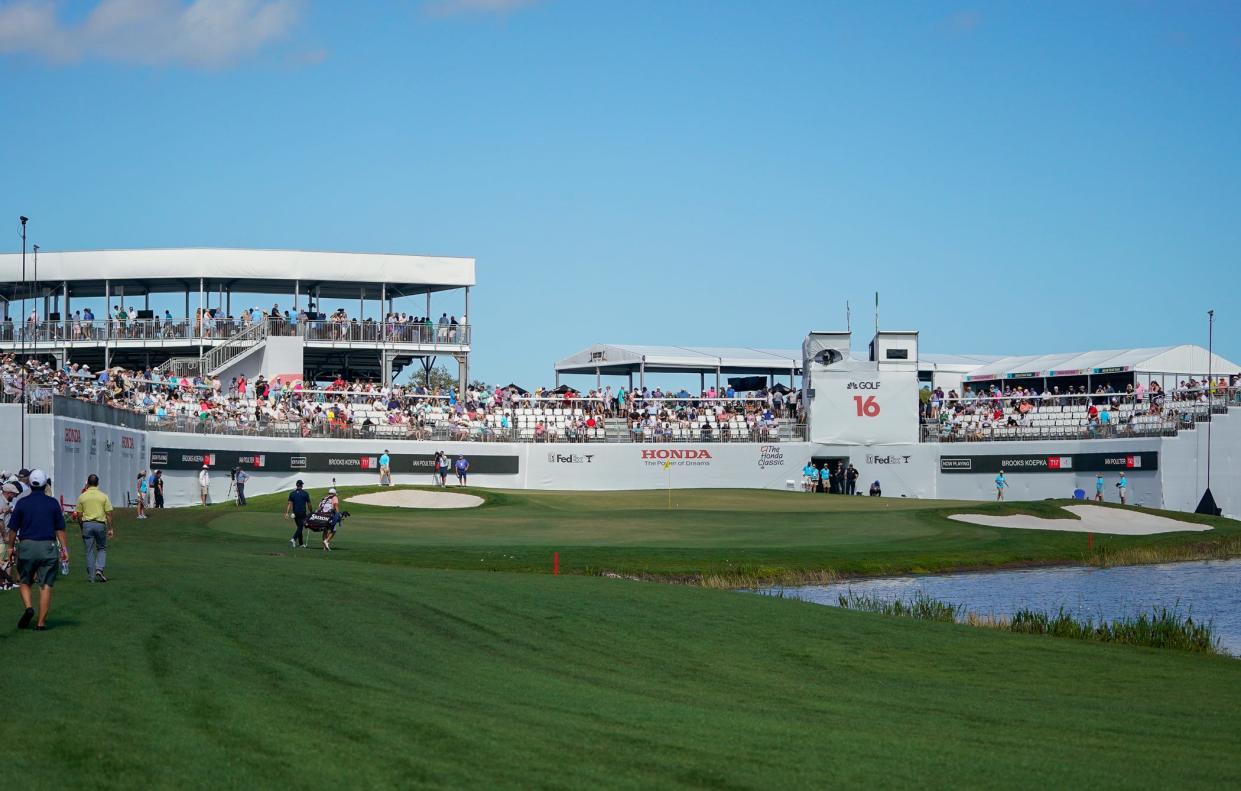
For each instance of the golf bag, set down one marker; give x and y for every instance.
(325, 517)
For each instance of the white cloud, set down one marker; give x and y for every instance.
(204, 34)
(455, 7)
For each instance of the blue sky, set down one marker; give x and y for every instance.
(1012, 177)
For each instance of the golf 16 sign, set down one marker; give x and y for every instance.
(863, 408)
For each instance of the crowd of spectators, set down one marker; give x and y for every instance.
(977, 413)
(125, 322)
(412, 411)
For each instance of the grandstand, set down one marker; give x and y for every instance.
(94, 308)
(301, 392)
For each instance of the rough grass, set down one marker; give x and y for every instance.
(220, 658)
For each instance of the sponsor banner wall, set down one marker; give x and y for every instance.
(679, 465)
(115, 453)
(1040, 470)
(864, 406)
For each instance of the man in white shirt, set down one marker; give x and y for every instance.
(204, 484)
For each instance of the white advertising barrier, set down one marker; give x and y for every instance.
(856, 404)
(114, 453)
(675, 465)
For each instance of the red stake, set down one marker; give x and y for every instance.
(556, 564)
(1090, 542)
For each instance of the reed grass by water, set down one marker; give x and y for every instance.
(1160, 628)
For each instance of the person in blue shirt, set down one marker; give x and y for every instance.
(810, 477)
(1122, 486)
(298, 508)
(240, 480)
(38, 528)
(463, 467)
(1098, 488)
(385, 470)
(1001, 483)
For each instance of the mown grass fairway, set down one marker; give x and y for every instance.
(218, 657)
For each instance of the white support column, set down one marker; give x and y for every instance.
(201, 318)
(107, 324)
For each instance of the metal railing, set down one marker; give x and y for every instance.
(97, 331)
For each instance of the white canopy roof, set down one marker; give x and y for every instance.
(251, 271)
(616, 359)
(1186, 359)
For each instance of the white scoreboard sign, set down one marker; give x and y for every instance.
(864, 407)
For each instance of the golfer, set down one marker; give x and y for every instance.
(204, 484)
(38, 527)
(1122, 486)
(298, 507)
(385, 469)
(1001, 483)
(1098, 488)
(95, 510)
(463, 468)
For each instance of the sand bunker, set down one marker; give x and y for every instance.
(1094, 519)
(413, 498)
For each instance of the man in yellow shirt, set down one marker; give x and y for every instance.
(95, 510)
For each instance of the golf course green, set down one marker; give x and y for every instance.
(435, 648)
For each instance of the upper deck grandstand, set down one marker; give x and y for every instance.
(354, 314)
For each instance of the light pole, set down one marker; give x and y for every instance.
(1207, 504)
(1210, 387)
(24, 220)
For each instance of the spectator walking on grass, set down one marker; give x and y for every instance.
(38, 529)
(94, 510)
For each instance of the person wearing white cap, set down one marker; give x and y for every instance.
(204, 484)
(38, 524)
(331, 503)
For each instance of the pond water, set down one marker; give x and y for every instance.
(1207, 590)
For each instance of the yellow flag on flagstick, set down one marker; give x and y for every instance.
(667, 464)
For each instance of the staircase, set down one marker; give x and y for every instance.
(616, 429)
(217, 358)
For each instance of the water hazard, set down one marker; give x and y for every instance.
(1207, 590)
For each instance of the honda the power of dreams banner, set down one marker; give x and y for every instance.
(863, 407)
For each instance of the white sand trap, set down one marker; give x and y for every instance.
(1094, 519)
(413, 498)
